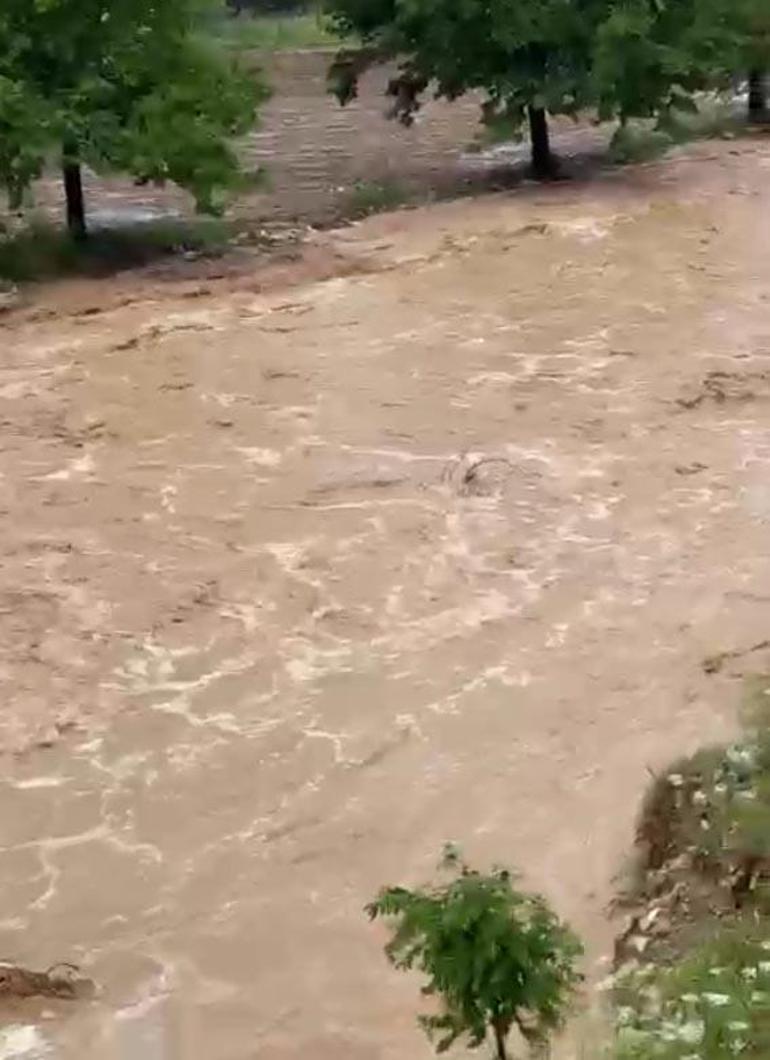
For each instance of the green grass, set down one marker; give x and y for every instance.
(275, 33)
(637, 142)
(640, 141)
(40, 250)
(368, 197)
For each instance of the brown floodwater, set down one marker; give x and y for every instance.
(426, 539)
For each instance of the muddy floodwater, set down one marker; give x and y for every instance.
(305, 571)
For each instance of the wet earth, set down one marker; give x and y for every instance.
(311, 567)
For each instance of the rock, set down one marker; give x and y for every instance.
(649, 918)
(639, 943)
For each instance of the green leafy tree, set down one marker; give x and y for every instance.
(124, 86)
(494, 956)
(651, 58)
(529, 59)
(23, 137)
(622, 58)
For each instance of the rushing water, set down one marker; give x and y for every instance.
(298, 585)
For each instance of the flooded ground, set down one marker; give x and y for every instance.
(422, 536)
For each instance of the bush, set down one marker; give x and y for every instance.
(714, 1004)
(368, 197)
(695, 974)
(495, 957)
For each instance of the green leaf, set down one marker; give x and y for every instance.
(127, 86)
(625, 58)
(488, 951)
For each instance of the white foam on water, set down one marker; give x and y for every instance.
(23, 1042)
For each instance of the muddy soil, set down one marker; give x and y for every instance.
(427, 536)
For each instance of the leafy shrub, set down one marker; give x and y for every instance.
(703, 991)
(370, 197)
(712, 1005)
(494, 956)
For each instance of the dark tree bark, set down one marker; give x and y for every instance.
(73, 190)
(542, 160)
(757, 95)
(502, 1052)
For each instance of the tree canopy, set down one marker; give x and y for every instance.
(527, 58)
(495, 957)
(617, 58)
(127, 86)
(649, 59)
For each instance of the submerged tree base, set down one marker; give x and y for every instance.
(544, 165)
(758, 97)
(73, 192)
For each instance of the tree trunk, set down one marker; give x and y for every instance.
(757, 95)
(73, 189)
(502, 1052)
(542, 159)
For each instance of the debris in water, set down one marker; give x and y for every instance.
(715, 663)
(60, 980)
